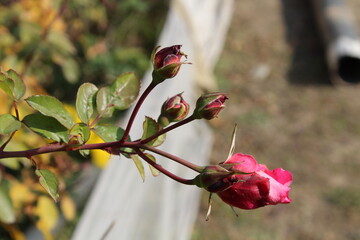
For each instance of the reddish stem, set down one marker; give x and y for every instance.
(36, 151)
(136, 110)
(165, 130)
(163, 170)
(172, 157)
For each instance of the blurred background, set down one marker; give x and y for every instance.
(274, 69)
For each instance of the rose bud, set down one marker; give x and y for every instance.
(174, 109)
(209, 105)
(166, 62)
(259, 188)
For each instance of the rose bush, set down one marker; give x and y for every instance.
(259, 188)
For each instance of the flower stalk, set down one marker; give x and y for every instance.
(163, 170)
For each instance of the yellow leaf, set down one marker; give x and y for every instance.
(68, 207)
(72, 112)
(47, 216)
(20, 194)
(98, 157)
(5, 102)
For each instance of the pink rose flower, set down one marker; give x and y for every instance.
(259, 188)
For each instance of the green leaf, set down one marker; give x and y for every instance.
(103, 102)
(6, 85)
(125, 90)
(85, 152)
(19, 86)
(5, 78)
(12, 163)
(52, 107)
(7, 213)
(151, 127)
(109, 133)
(139, 166)
(49, 181)
(3, 139)
(60, 43)
(70, 70)
(8, 124)
(82, 131)
(120, 95)
(153, 170)
(47, 127)
(85, 101)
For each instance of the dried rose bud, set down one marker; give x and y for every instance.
(209, 105)
(173, 110)
(166, 62)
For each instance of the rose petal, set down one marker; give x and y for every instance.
(280, 175)
(278, 192)
(250, 194)
(246, 163)
(260, 188)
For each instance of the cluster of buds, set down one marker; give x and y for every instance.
(240, 181)
(167, 63)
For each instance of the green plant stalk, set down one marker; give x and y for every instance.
(163, 170)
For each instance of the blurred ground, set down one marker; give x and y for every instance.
(289, 116)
